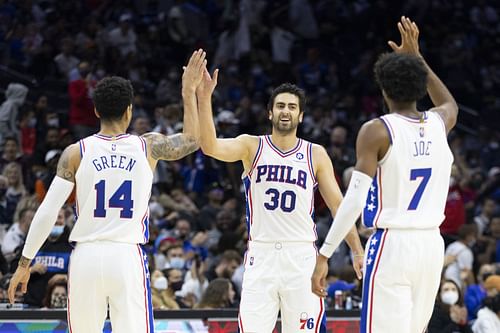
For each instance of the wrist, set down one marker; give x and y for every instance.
(24, 262)
(188, 91)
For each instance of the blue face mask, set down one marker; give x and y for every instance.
(56, 231)
(177, 263)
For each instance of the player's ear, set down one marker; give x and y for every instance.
(96, 113)
(301, 117)
(270, 115)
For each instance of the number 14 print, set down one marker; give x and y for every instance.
(121, 198)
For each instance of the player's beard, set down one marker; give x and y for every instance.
(285, 128)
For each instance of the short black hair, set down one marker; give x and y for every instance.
(112, 96)
(288, 88)
(403, 77)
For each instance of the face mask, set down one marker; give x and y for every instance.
(58, 302)
(160, 283)
(2, 192)
(32, 122)
(56, 231)
(453, 181)
(177, 263)
(449, 297)
(471, 243)
(176, 285)
(53, 122)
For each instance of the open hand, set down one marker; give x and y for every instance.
(207, 85)
(357, 264)
(193, 72)
(409, 37)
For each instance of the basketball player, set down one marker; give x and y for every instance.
(113, 172)
(400, 185)
(281, 173)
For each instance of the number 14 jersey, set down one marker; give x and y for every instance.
(113, 187)
(279, 192)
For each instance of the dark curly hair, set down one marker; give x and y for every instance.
(112, 96)
(402, 77)
(288, 88)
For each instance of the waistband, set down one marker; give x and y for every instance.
(409, 230)
(280, 245)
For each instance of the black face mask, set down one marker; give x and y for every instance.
(2, 192)
(176, 285)
(492, 303)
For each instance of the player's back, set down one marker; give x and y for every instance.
(410, 187)
(113, 186)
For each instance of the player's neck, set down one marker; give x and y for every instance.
(113, 129)
(404, 109)
(284, 142)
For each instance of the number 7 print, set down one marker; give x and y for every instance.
(425, 174)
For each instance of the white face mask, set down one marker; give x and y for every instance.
(160, 283)
(449, 297)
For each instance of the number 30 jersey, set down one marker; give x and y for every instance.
(279, 192)
(410, 187)
(113, 187)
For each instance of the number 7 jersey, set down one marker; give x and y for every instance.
(410, 187)
(113, 187)
(279, 190)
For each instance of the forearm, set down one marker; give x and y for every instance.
(352, 239)
(208, 134)
(436, 89)
(191, 124)
(46, 216)
(348, 212)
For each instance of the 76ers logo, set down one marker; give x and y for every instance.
(299, 156)
(307, 323)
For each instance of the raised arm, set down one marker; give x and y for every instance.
(227, 150)
(174, 147)
(332, 195)
(441, 97)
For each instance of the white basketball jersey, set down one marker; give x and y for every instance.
(280, 193)
(410, 187)
(113, 186)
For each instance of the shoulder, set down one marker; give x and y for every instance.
(318, 151)
(373, 133)
(249, 139)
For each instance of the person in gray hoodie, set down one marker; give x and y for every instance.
(16, 95)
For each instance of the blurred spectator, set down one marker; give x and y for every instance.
(208, 213)
(450, 314)
(123, 37)
(459, 270)
(52, 259)
(455, 209)
(488, 318)
(219, 294)
(229, 261)
(16, 189)
(15, 96)
(81, 114)
(162, 296)
(15, 236)
(65, 60)
(225, 221)
(56, 296)
(6, 212)
(483, 220)
(140, 126)
(475, 293)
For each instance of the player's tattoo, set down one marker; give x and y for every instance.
(63, 169)
(172, 147)
(24, 262)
